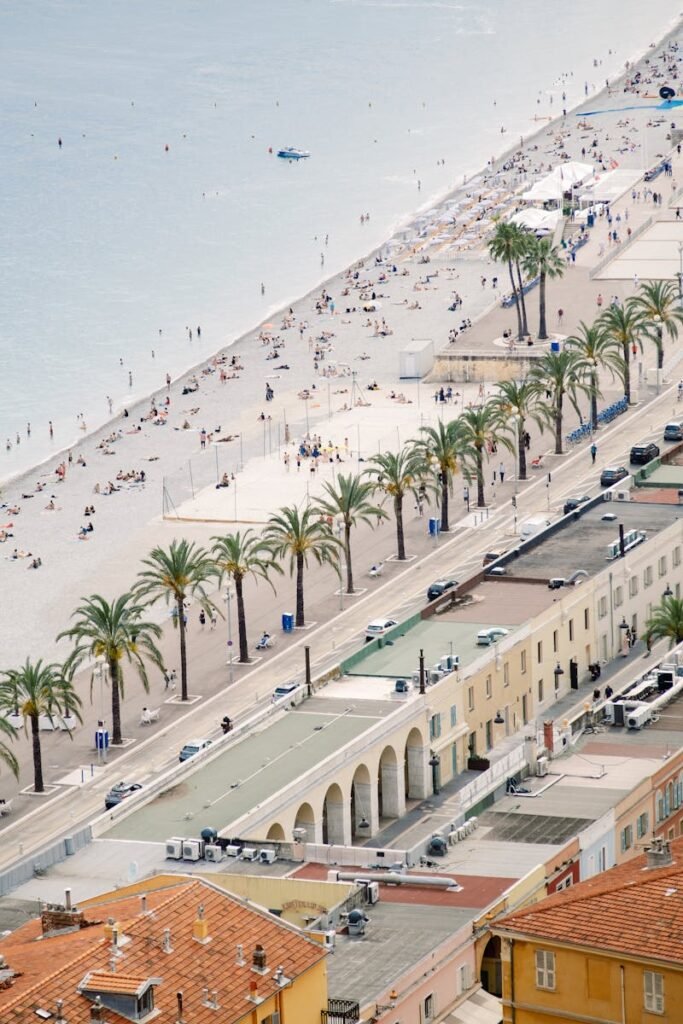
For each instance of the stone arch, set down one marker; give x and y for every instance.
(391, 796)
(276, 833)
(415, 767)
(490, 971)
(335, 816)
(305, 819)
(364, 815)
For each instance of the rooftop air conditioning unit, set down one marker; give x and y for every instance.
(372, 893)
(542, 767)
(213, 853)
(267, 856)
(416, 678)
(174, 848)
(193, 849)
(434, 677)
(233, 851)
(249, 853)
(622, 496)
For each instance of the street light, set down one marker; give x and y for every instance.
(435, 764)
(557, 672)
(499, 720)
(227, 597)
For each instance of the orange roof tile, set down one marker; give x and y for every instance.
(629, 909)
(188, 966)
(105, 981)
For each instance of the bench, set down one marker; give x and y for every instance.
(5, 807)
(149, 715)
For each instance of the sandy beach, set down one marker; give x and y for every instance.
(216, 420)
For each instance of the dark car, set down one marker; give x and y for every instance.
(643, 453)
(440, 587)
(571, 504)
(121, 791)
(492, 556)
(612, 475)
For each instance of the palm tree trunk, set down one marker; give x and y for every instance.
(241, 619)
(521, 451)
(594, 401)
(481, 501)
(300, 590)
(116, 736)
(400, 533)
(626, 353)
(522, 302)
(660, 349)
(347, 552)
(444, 503)
(558, 425)
(183, 649)
(516, 297)
(542, 328)
(38, 784)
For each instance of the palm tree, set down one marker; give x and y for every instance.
(659, 302)
(35, 690)
(397, 474)
(6, 755)
(594, 349)
(626, 326)
(507, 246)
(349, 498)
(297, 535)
(517, 402)
(479, 429)
(542, 259)
(239, 555)
(113, 631)
(666, 622)
(556, 376)
(175, 575)
(438, 449)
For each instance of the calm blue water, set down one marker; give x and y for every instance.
(112, 238)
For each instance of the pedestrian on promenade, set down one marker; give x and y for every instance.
(594, 452)
(501, 472)
(202, 618)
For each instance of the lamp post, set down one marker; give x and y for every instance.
(435, 765)
(227, 597)
(680, 273)
(557, 672)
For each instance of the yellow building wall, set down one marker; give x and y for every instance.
(298, 1003)
(298, 899)
(588, 986)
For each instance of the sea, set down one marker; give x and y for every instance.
(165, 208)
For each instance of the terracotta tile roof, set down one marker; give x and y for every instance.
(629, 909)
(187, 966)
(105, 981)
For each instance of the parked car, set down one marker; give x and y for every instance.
(674, 431)
(192, 748)
(378, 628)
(486, 637)
(641, 454)
(571, 504)
(612, 475)
(492, 556)
(440, 587)
(284, 690)
(121, 791)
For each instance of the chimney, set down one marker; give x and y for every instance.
(239, 956)
(258, 960)
(59, 1016)
(179, 997)
(548, 736)
(200, 928)
(109, 929)
(56, 919)
(67, 899)
(167, 947)
(97, 1010)
(143, 904)
(658, 854)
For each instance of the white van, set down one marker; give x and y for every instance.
(533, 525)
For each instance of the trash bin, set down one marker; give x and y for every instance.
(590, 220)
(555, 346)
(287, 622)
(433, 526)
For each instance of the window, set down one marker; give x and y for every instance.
(555, 641)
(522, 662)
(661, 566)
(506, 674)
(454, 716)
(489, 734)
(488, 686)
(586, 618)
(626, 838)
(435, 727)
(540, 691)
(602, 607)
(428, 1008)
(602, 858)
(571, 629)
(633, 586)
(676, 556)
(653, 991)
(661, 809)
(545, 969)
(539, 651)
(470, 698)
(465, 978)
(647, 576)
(618, 596)
(642, 825)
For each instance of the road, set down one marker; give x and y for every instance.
(338, 626)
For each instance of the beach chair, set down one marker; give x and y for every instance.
(537, 463)
(376, 570)
(149, 715)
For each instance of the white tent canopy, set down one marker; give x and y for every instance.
(561, 179)
(537, 220)
(609, 187)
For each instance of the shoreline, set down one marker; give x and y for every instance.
(277, 310)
